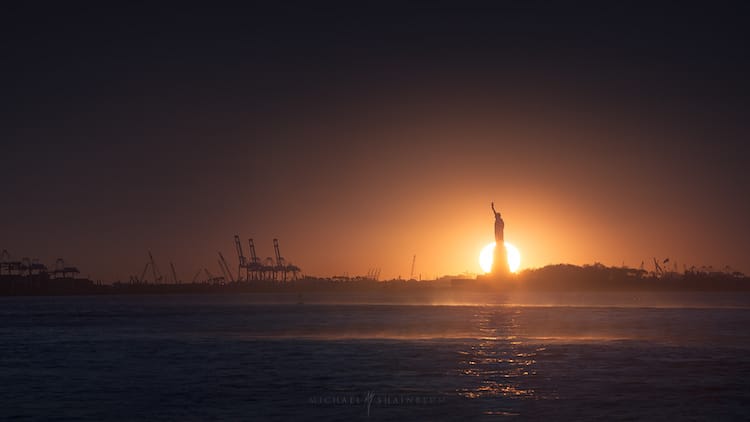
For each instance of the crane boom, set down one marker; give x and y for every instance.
(223, 271)
(143, 274)
(174, 273)
(195, 277)
(226, 267)
(154, 270)
(657, 267)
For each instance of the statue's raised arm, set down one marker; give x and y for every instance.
(500, 258)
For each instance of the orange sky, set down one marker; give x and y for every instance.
(574, 187)
(363, 141)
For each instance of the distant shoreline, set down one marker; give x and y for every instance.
(555, 278)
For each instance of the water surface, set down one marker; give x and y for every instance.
(233, 358)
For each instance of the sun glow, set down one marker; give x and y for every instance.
(514, 257)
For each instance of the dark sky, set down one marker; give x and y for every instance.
(363, 136)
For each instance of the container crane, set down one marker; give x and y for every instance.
(280, 261)
(255, 266)
(268, 269)
(242, 260)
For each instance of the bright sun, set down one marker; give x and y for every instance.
(485, 257)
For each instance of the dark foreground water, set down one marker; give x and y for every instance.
(230, 358)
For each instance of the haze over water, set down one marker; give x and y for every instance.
(615, 356)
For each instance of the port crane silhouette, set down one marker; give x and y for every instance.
(274, 268)
(251, 268)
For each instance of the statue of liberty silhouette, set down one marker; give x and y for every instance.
(500, 256)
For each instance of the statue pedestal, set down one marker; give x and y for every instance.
(500, 261)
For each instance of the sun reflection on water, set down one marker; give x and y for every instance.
(498, 364)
